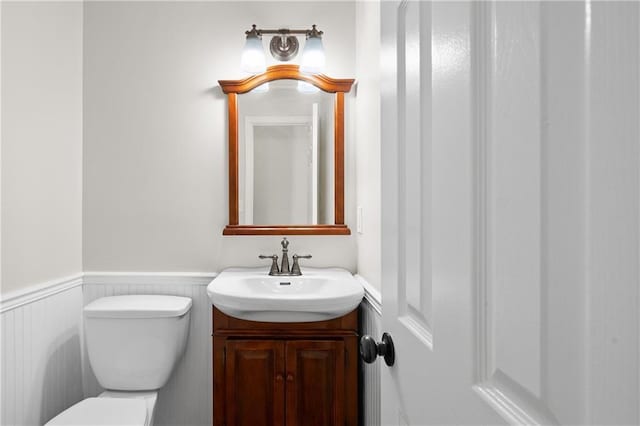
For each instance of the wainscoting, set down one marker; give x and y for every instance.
(186, 398)
(41, 356)
(371, 324)
(45, 368)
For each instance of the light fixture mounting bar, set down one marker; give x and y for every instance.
(283, 31)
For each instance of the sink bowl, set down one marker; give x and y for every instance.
(318, 294)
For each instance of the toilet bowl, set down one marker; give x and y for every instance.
(133, 343)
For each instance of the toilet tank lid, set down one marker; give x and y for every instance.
(138, 306)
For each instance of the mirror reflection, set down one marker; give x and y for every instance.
(286, 155)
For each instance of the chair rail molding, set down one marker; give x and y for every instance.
(371, 294)
(148, 278)
(39, 291)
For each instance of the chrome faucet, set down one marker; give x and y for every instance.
(284, 268)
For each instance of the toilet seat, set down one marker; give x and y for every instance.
(104, 411)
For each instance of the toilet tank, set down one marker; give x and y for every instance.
(135, 341)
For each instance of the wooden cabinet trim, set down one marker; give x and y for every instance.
(225, 324)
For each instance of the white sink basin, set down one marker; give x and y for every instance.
(318, 294)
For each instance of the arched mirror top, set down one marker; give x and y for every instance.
(286, 72)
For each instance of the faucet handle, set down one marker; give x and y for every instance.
(274, 263)
(295, 269)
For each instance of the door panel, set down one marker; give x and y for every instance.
(510, 185)
(255, 383)
(513, 193)
(415, 183)
(315, 382)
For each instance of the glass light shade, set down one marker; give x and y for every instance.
(253, 59)
(313, 60)
(304, 87)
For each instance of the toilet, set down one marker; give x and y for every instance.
(133, 342)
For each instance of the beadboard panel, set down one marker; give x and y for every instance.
(41, 357)
(186, 398)
(371, 324)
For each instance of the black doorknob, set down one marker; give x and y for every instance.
(370, 349)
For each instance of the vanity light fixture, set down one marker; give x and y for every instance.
(283, 47)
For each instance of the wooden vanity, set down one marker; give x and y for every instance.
(293, 374)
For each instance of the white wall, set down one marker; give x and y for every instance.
(41, 64)
(367, 129)
(155, 132)
(41, 142)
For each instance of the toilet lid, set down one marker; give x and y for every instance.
(103, 411)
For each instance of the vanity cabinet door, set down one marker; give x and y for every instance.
(255, 384)
(315, 376)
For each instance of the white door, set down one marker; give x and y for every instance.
(511, 212)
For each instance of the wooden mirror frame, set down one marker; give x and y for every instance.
(287, 72)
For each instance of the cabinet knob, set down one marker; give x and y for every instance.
(289, 377)
(279, 377)
(370, 349)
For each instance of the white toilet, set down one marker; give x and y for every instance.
(134, 342)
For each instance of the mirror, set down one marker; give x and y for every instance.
(286, 153)
(285, 156)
